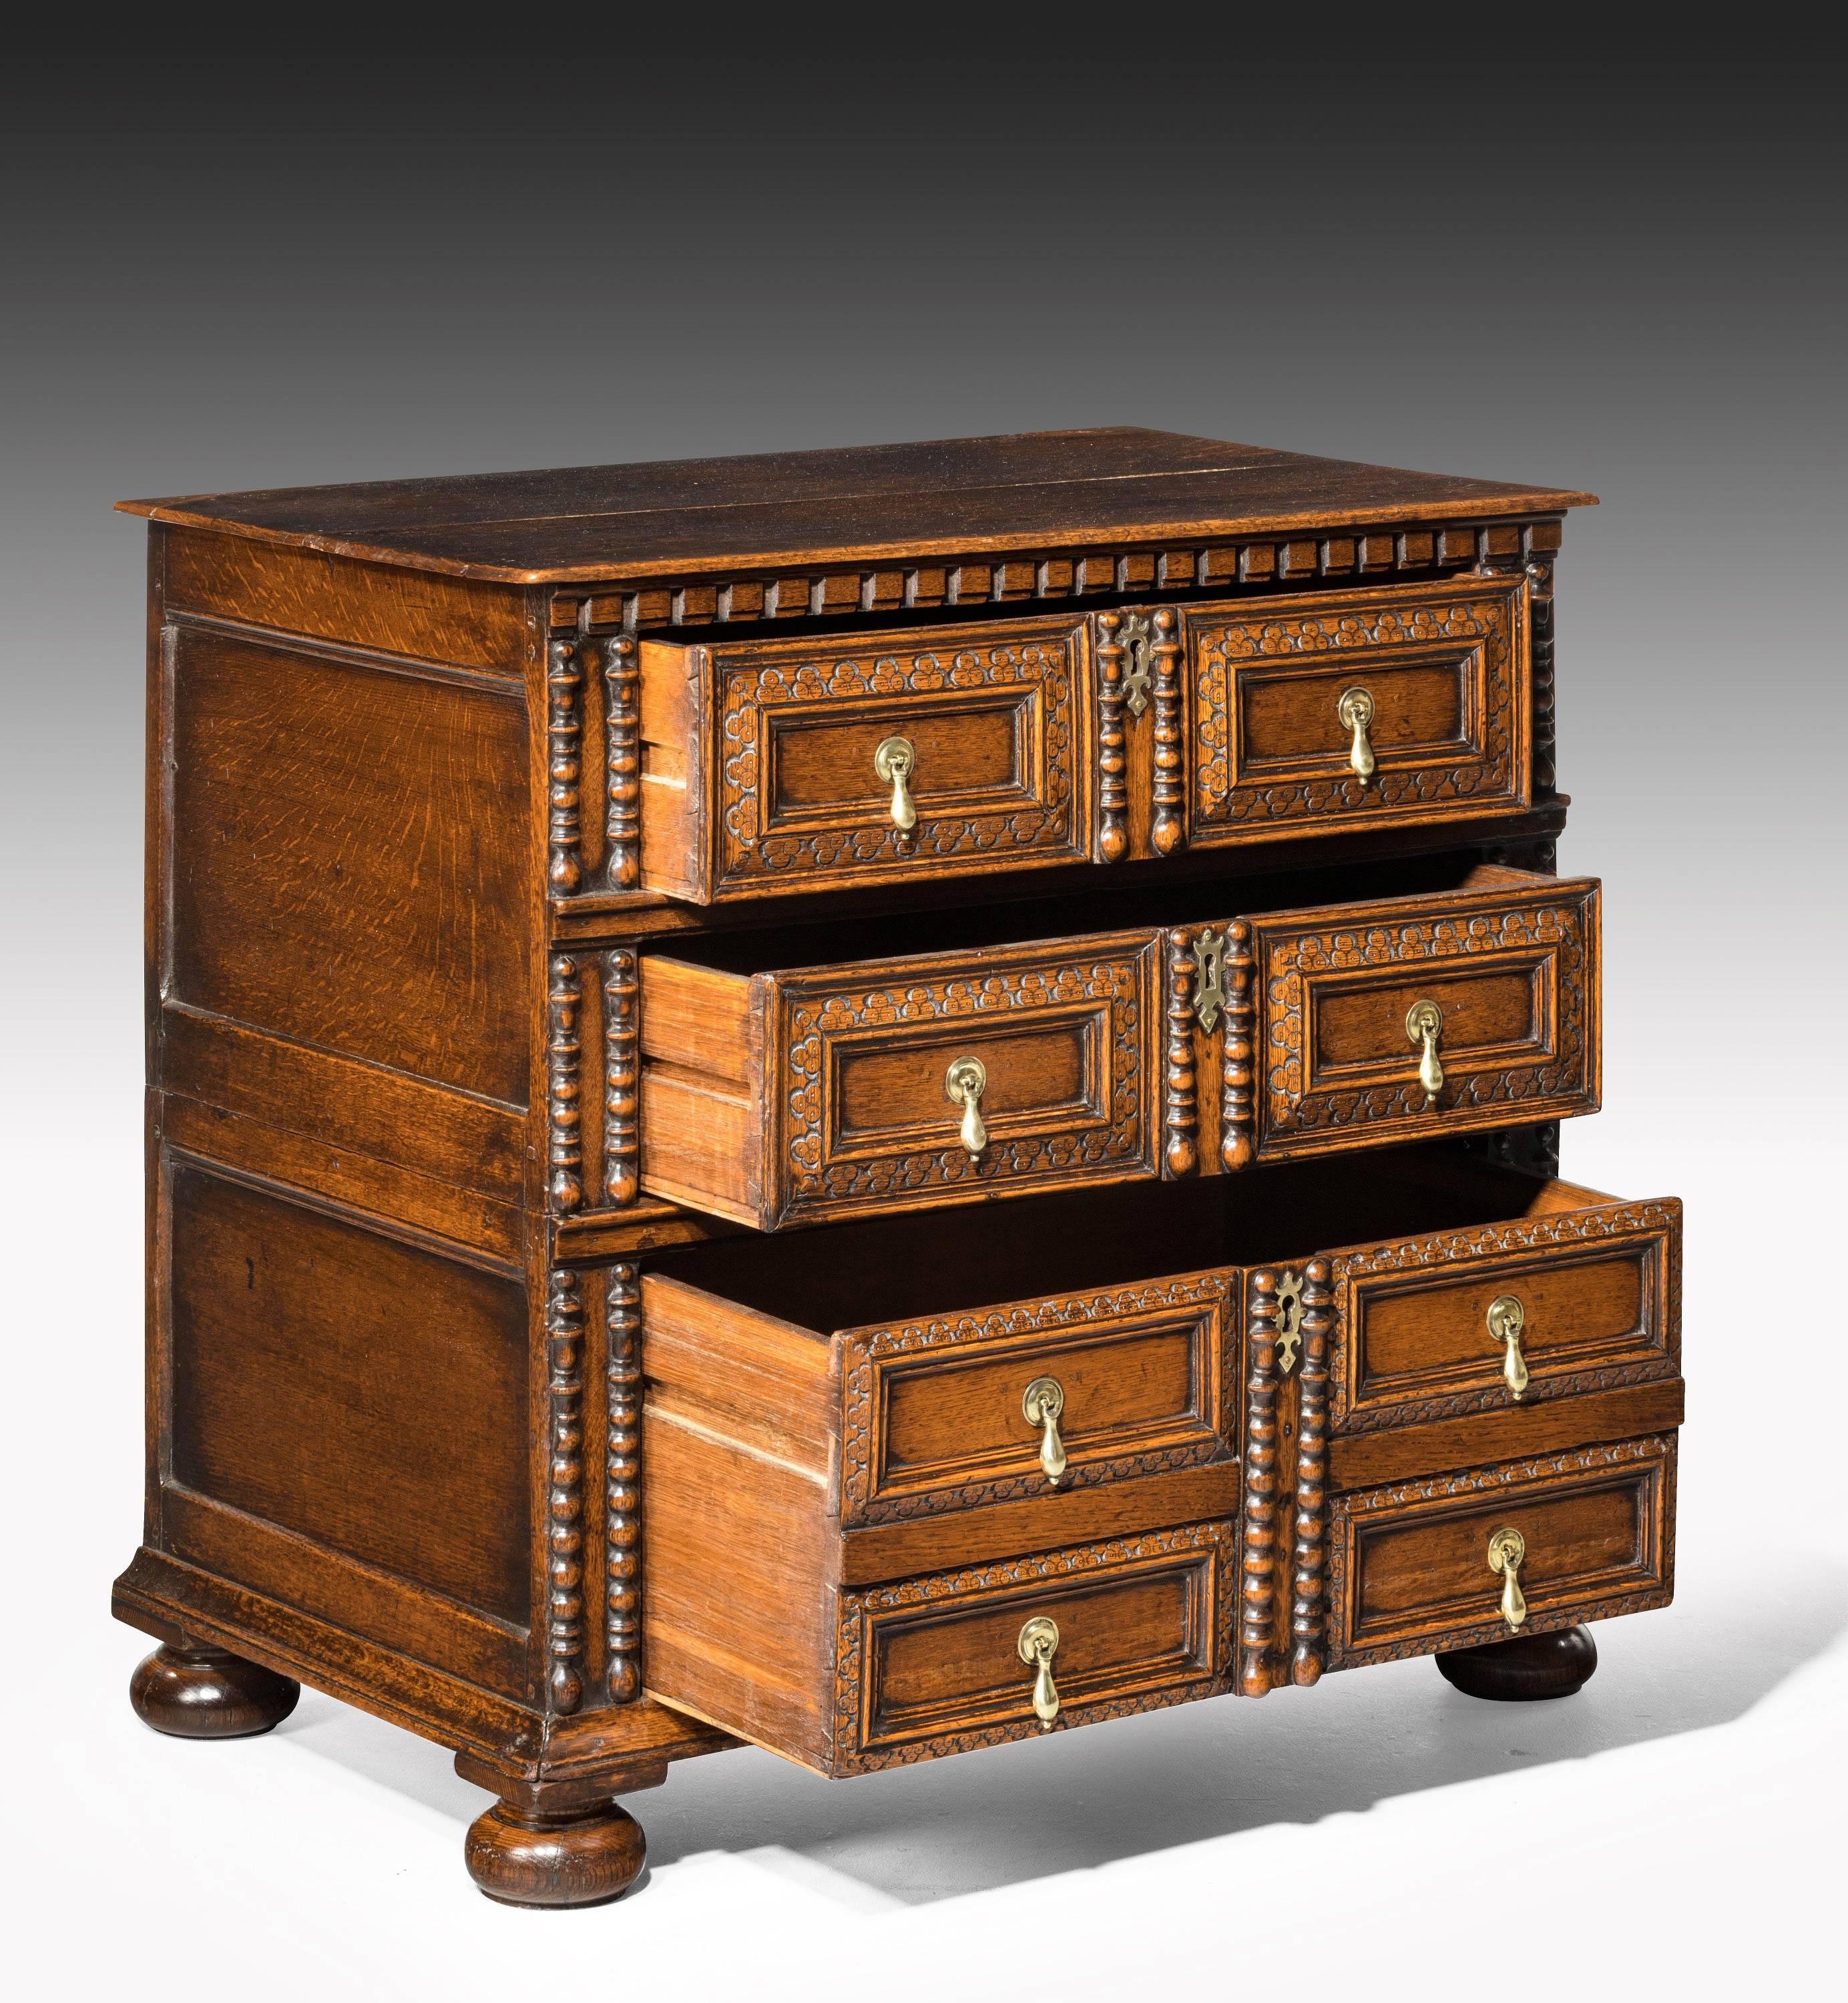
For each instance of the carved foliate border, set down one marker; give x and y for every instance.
(877, 669)
(1444, 940)
(1440, 1255)
(1090, 1317)
(1213, 1541)
(1223, 640)
(1122, 1146)
(1655, 1455)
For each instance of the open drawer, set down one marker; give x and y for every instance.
(1006, 1067)
(871, 1460)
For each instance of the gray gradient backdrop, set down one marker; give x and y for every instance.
(1626, 278)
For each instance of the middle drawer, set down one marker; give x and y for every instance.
(876, 1085)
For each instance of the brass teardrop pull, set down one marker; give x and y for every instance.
(1355, 710)
(895, 761)
(1042, 1403)
(1506, 1549)
(1038, 1645)
(1508, 1319)
(963, 1083)
(1424, 1025)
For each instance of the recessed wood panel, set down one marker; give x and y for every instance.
(350, 861)
(758, 757)
(933, 1412)
(894, 1089)
(1599, 1289)
(820, 763)
(356, 1391)
(1510, 961)
(1410, 1572)
(1422, 708)
(1364, 1025)
(959, 1669)
(1447, 666)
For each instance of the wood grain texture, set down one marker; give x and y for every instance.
(419, 613)
(1409, 1574)
(332, 1383)
(332, 817)
(1073, 489)
(1447, 666)
(1601, 1284)
(1335, 986)
(931, 1417)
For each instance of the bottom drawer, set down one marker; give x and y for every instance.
(965, 1659)
(1453, 1560)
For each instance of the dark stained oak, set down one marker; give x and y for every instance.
(1530, 1667)
(703, 514)
(581, 1856)
(561, 886)
(199, 1692)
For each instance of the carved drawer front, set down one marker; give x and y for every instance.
(1046, 1399)
(1583, 1296)
(806, 764)
(1519, 1548)
(898, 1085)
(954, 1660)
(1406, 1017)
(1410, 706)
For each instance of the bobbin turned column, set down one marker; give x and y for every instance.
(1527, 1667)
(201, 1693)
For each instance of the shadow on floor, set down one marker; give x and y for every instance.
(1139, 1785)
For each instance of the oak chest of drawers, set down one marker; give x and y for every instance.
(873, 1102)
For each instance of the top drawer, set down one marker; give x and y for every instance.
(1409, 706)
(813, 763)
(784, 765)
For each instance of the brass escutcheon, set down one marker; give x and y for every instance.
(1506, 1549)
(1209, 986)
(1424, 1025)
(963, 1085)
(1507, 1319)
(895, 761)
(1355, 711)
(1038, 1645)
(1289, 1321)
(1042, 1402)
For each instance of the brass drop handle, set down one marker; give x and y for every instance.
(1424, 1025)
(1038, 1645)
(1042, 1403)
(895, 761)
(1355, 710)
(963, 1083)
(1506, 1549)
(1508, 1319)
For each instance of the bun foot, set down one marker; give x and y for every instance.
(585, 1857)
(1528, 1667)
(209, 1694)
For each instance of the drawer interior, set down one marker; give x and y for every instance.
(916, 930)
(887, 1269)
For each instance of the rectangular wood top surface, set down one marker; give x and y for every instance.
(1030, 491)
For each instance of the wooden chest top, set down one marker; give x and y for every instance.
(1028, 490)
